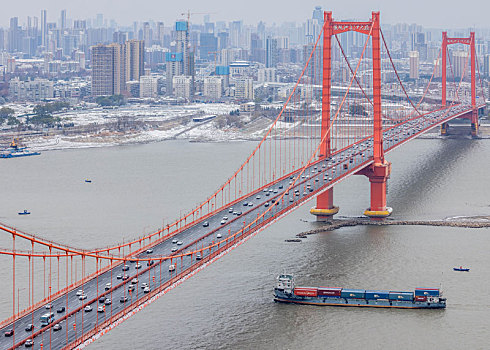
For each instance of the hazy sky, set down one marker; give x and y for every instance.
(429, 13)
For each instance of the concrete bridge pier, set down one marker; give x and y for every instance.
(378, 175)
(324, 210)
(474, 123)
(444, 129)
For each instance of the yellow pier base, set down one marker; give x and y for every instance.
(378, 214)
(324, 214)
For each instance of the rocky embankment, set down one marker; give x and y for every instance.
(467, 222)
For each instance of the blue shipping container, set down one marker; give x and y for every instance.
(427, 292)
(377, 294)
(181, 26)
(353, 293)
(401, 296)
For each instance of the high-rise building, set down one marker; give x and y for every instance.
(79, 24)
(147, 34)
(115, 64)
(314, 68)
(99, 20)
(80, 58)
(208, 44)
(180, 62)
(459, 62)
(63, 20)
(213, 87)
(257, 52)
(15, 36)
(223, 38)
(236, 33)
(414, 64)
(107, 67)
(2, 39)
(182, 86)
(244, 89)
(486, 65)
(271, 53)
(160, 34)
(148, 86)
(318, 14)
(44, 29)
(120, 37)
(312, 29)
(134, 59)
(266, 75)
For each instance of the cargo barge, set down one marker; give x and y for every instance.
(422, 298)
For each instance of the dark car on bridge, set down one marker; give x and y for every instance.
(61, 310)
(9, 333)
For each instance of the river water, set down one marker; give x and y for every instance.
(229, 304)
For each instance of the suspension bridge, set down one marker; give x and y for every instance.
(80, 294)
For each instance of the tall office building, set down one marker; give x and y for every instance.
(63, 20)
(271, 53)
(414, 64)
(44, 28)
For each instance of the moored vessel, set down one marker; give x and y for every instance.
(285, 291)
(14, 150)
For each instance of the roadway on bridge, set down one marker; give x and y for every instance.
(316, 178)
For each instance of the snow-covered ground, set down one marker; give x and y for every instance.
(204, 131)
(144, 112)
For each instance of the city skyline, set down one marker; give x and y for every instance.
(391, 13)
